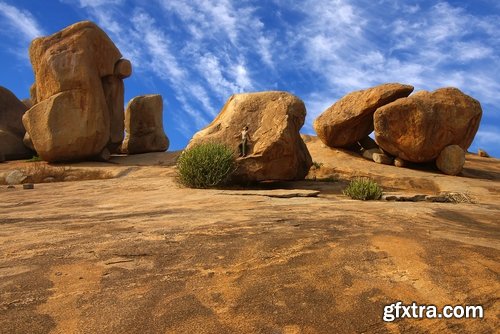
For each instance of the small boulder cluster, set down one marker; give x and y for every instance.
(76, 106)
(423, 127)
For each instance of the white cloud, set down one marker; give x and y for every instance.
(242, 78)
(21, 21)
(97, 3)
(487, 137)
(210, 68)
(264, 47)
(164, 62)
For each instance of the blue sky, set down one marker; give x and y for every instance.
(196, 53)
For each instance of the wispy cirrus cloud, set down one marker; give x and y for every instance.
(21, 22)
(206, 50)
(20, 27)
(353, 44)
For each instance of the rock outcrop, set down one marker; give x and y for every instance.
(451, 160)
(276, 150)
(144, 125)
(78, 94)
(350, 119)
(419, 127)
(11, 127)
(378, 156)
(483, 153)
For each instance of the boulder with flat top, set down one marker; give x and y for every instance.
(419, 127)
(77, 96)
(144, 125)
(276, 150)
(350, 119)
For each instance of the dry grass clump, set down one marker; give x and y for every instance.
(458, 197)
(40, 172)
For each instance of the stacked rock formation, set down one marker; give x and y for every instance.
(78, 94)
(350, 119)
(144, 125)
(276, 150)
(419, 127)
(11, 127)
(426, 126)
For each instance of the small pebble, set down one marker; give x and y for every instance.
(28, 186)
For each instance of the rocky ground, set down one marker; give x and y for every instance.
(137, 253)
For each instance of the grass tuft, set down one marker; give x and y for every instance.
(363, 188)
(35, 158)
(41, 172)
(316, 165)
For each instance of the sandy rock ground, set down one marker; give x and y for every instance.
(138, 253)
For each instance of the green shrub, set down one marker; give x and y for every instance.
(206, 165)
(363, 188)
(35, 158)
(330, 178)
(317, 165)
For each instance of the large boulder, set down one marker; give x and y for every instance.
(419, 127)
(276, 150)
(144, 125)
(350, 119)
(77, 113)
(11, 127)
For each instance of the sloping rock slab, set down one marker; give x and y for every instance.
(277, 193)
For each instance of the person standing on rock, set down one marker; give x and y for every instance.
(245, 137)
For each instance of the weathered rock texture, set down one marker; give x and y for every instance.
(419, 127)
(11, 127)
(451, 160)
(144, 125)
(398, 162)
(276, 150)
(350, 119)
(77, 95)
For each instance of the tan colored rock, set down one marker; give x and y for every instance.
(398, 162)
(33, 94)
(351, 118)
(378, 156)
(77, 111)
(114, 93)
(144, 125)
(27, 102)
(276, 150)
(483, 153)
(73, 58)
(28, 142)
(451, 160)
(55, 126)
(15, 177)
(368, 154)
(11, 127)
(382, 158)
(419, 127)
(123, 69)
